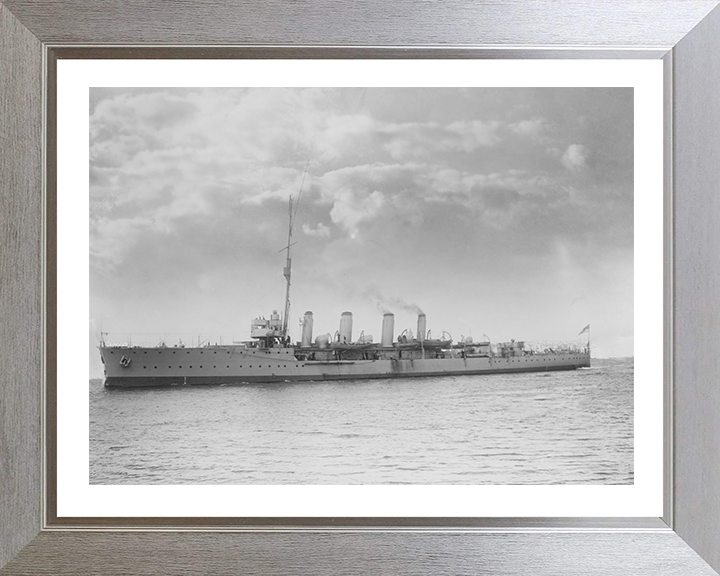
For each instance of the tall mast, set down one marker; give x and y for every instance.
(288, 260)
(287, 269)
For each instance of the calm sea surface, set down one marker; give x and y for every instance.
(543, 428)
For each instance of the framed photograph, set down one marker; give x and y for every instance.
(415, 190)
(522, 218)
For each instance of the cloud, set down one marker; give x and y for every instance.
(112, 240)
(166, 156)
(530, 128)
(575, 157)
(351, 208)
(474, 134)
(320, 231)
(426, 139)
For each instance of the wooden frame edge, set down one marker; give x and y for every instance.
(20, 315)
(696, 323)
(46, 542)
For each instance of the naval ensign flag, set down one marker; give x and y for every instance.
(586, 329)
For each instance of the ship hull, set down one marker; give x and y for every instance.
(160, 381)
(154, 367)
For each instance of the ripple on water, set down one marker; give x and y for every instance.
(544, 428)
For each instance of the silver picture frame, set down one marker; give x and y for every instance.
(685, 34)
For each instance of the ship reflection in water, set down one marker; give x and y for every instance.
(572, 427)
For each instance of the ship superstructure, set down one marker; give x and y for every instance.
(271, 356)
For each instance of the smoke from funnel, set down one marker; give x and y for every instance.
(387, 304)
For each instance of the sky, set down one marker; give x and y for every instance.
(505, 212)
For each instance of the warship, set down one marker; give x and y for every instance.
(271, 356)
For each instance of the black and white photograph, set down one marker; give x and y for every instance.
(361, 286)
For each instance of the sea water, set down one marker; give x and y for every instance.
(571, 427)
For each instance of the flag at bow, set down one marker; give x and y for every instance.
(586, 329)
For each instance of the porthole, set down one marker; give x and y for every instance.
(190, 367)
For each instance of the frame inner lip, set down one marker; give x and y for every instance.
(56, 51)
